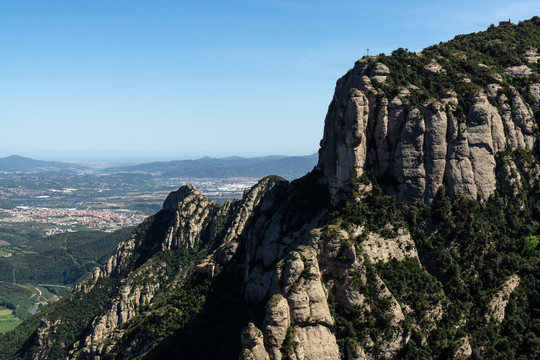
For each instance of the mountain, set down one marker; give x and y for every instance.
(444, 116)
(290, 167)
(415, 237)
(19, 163)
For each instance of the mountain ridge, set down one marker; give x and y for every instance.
(290, 167)
(21, 163)
(286, 166)
(358, 259)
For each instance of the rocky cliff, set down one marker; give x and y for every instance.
(441, 121)
(373, 255)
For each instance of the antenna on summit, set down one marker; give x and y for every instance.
(367, 52)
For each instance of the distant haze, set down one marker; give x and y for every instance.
(289, 167)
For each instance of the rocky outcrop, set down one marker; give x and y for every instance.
(253, 344)
(188, 221)
(381, 248)
(433, 68)
(413, 150)
(282, 221)
(320, 286)
(519, 71)
(105, 327)
(298, 321)
(497, 306)
(379, 72)
(251, 199)
(348, 276)
(462, 349)
(355, 352)
(192, 212)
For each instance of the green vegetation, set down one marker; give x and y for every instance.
(8, 321)
(531, 242)
(289, 344)
(15, 234)
(360, 324)
(411, 284)
(173, 311)
(75, 312)
(17, 298)
(21, 301)
(468, 250)
(475, 56)
(61, 259)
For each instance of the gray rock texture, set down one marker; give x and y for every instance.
(298, 313)
(412, 150)
(497, 306)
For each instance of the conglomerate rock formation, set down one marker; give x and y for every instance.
(325, 267)
(415, 150)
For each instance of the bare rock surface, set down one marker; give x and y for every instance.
(417, 150)
(497, 306)
(380, 72)
(433, 68)
(380, 248)
(253, 344)
(462, 349)
(191, 211)
(298, 313)
(518, 71)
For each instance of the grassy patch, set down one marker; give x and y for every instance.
(8, 321)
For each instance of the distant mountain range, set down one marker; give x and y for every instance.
(289, 167)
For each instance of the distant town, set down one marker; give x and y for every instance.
(41, 198)
(102, 219)
(48, 206)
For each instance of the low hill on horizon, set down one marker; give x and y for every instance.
(14, 163)
(289, 167)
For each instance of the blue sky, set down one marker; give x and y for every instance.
(163, 79)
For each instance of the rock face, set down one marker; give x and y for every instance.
(380, 248)
(188, 221)
(497, 306)
(298, 321)
(253, 345)
(414, 150)
(192, 211)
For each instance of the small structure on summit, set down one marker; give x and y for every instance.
(208, 267)
(505, 23)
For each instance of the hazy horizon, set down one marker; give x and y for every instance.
(135, 159)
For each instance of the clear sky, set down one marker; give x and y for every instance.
(164, 79)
